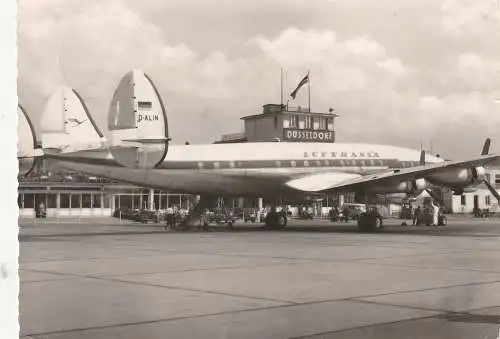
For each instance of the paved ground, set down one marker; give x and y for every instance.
(108, 280)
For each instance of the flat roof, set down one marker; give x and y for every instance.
(255, 116)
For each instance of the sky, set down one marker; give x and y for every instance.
(398, 72)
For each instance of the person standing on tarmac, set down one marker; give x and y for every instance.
(416, 215)
(435, 214)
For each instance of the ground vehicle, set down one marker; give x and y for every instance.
(219, 217)
(40, 211)
(354, 210)
(144, 216)
(426, 215)
(306, 214)
(250, 215)
(407, 210)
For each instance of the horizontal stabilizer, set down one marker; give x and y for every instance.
(160, 141)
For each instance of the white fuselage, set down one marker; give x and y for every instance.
(250, 169)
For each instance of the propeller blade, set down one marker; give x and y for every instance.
(492, 190)
(486, 147)
(422, 158)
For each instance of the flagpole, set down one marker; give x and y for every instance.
(309, 89)
(281, 88)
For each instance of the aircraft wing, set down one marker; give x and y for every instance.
(331, 182)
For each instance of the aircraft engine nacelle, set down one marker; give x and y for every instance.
(137, 123)
(413, 187)
(459, 177)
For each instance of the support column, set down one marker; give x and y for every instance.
(151, 200)
(260, 202)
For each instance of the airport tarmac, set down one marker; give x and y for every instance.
(103, 279)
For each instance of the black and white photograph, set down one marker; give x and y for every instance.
(256, 169)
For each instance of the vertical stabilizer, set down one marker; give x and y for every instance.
(27, 144)
(66, 122)
(137, 122)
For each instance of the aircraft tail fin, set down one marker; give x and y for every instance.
(422, 158)
(486, 147)
(28, 149)
(137, 122)
(67, 124)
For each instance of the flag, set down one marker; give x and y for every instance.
(301, 83)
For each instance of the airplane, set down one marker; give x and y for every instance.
(139, 152)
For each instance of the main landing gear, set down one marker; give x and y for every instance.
(276, 220)
(370, 221)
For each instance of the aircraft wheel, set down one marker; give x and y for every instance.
(370, 223)
(276, 222)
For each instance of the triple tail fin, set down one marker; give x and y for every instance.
(67, 124)
(28, 150)
(137, 123)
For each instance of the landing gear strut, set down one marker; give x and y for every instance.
(370, 222)
(276, 220)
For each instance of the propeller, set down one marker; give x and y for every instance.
(486, 151)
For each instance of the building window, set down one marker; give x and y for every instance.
(315, 123)
(322, 123)
(286, 123)
(307, 122)
(487, 200)
(463, 200)
(64, 200)
(96, 200)
(86, 200)
(28, 200)
(294, 121)
(51, 200)
(75, 201)
(497, 179)
(330, 124)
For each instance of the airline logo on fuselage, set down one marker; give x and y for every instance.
(147, 117)
(369, 154)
